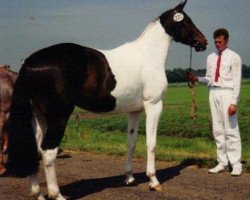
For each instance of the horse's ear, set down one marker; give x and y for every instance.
(180, 6)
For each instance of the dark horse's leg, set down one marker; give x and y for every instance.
(2, 142)
(5, 142)
(55, 120)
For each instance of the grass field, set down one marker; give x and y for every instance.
(180, 138)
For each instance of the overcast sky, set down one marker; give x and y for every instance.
(29, 25)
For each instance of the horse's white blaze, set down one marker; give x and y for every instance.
(139, 68)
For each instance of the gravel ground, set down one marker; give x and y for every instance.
(88, 176)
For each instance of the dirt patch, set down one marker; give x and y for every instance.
(88, 176)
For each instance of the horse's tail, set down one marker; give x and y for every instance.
(23, 157)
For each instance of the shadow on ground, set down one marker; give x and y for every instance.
(86, 187)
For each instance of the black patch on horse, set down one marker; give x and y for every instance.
(62, 76)
(70, 73)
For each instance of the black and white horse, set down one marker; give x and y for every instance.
(130, 78)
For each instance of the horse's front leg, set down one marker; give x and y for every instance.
(153, 113)
(133, 123)
(2, 168)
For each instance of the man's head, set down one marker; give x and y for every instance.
(221, 36)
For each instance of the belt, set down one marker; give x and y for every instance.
(219, 88)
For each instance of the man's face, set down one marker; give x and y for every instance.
(220, 43)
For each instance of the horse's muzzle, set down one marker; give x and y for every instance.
(200, 46)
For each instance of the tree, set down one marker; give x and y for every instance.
(179, 75)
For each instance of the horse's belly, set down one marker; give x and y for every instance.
(128, 102)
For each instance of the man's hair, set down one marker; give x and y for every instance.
(221, 32)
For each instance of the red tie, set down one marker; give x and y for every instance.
(217, 72)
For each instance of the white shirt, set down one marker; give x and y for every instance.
(230, 72)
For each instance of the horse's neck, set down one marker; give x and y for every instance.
(154, 42)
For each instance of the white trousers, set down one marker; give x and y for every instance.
(225, 128)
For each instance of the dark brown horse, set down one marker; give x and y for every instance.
(7, 80)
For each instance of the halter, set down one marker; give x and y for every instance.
(191, 84)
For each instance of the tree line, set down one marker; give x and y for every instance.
(179, 75)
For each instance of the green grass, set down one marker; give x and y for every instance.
(180, 138)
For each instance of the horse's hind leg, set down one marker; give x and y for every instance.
(5, 142)
(2, 168)
(49, 157)
(35, 188)
(2, 122)
(39, 125)
(133, 123)
(56, 126)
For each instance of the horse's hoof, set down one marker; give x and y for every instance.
(131, 184)
(41, 197)
(38, 197)
(130, 181)
(155, 188)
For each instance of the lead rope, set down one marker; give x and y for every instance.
(193, 112)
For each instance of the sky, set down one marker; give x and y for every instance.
(29, 25)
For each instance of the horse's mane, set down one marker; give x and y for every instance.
(7, 68)
(147, 29)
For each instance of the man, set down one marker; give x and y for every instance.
(223, 77)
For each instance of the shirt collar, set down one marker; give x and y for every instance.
(217, 52)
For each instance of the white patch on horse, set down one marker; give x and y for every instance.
(142, 77)
(140, 85)
(39, 126)
(49, 157)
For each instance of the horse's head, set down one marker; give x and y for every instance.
(179, 25)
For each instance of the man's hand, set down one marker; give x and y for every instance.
(191, 77)
(232, 109)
